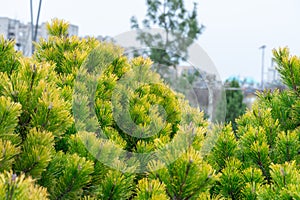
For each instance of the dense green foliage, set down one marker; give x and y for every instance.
(234, 102)
(49, 151)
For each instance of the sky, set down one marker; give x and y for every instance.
(235, 29)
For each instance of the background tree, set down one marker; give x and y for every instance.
(181, 29)
(234, 102)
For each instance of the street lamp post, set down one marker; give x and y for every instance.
(262, 65)
(31, 25)
(34, 32)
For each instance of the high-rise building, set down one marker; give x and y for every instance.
(13, 29)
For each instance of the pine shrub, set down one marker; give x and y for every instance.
(49, 149)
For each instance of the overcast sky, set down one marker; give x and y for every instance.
(235, 29)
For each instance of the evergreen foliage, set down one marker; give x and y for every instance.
(43, 149)
(9, 58)
(266, 143)
(19, 187)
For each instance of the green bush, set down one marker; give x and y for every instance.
(49, 149)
